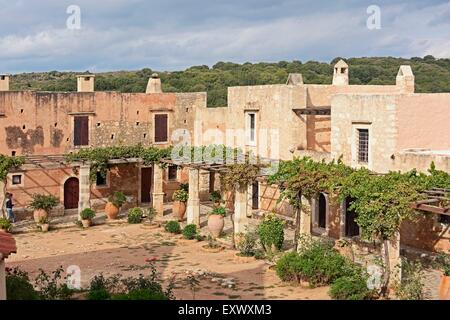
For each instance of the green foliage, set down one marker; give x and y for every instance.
(173, 227)
(316, 262)
(140, 294)
(43, 201)
(238, 175)
(180, 195)
(135, 215)
(87, 214)
(150, 213)
(215, 197)
(442, 262)
(117, 199)
(271, 233)
(352, 287)
(5, 224)
(431, 75)
(184, 187)
(247, 243)
(190, 231)
(220, 211)
(53, 286)
(18, 285)
(411, 286)
(7, 163)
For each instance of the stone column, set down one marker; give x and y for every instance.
(2, 279)
(204, 185)
(241, 209)
(158, 194)
(305, 217)
(193, 205)
(395, 262)
(84, 188)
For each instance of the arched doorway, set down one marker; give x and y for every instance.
(351, 227)
(322, 218)
(71, 193)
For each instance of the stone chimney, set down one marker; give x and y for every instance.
(340, 74)
(405, 79)
(154, 84)
(4, 82)
(85, 83)
(295, 79)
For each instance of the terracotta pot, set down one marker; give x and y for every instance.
(179, 210)
(111, 211)
(38, 214)
(45, 227)
(215, 224)
(444, 288)
(86, 223)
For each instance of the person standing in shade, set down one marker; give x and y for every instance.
(9, 207)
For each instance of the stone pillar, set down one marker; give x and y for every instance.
(305, 217)
(193, 205)
(241, 209)
(84, 188)
(204, 185)
(158, 194)
(395, 262)
(2, 279)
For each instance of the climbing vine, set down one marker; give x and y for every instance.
(7, 163)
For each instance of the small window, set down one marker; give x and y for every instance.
(444, 219)
(81, 131)
(161, 126)
(100, 180)
(3, 77)
(252, 127)
(363, 145)
(16, 179)
(87, 78)
(343, 70)
(172, 173)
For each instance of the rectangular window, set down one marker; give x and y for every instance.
(100, 180)
(161, 127)
(363, 145)
(172, 173)
(81, 131)
(251, 127)
(16, 179)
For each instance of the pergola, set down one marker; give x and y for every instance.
(437, 201)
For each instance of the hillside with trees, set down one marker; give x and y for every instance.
(432, 75)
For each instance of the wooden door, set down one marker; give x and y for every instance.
(161, 128)
(255, 195)
(351, 227)
(146, 184)
(322, 211)
(71, 193)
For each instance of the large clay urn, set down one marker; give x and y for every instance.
(111, 211)
(215, 224)
(179, 210)
(444, 288)
(39, 214)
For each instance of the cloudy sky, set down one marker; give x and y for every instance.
(175, 34)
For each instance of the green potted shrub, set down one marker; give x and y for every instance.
(190, 231)
(44, 224)
(173, 227)
(41, 205)
(180, 197)
(216, 221)
(271, 233)
(216, 198)
(86, 217)
(5, 225)
(135, 215)
(115, 202)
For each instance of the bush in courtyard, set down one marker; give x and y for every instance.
(150, 213)
(43, 201)
(411, 286)
(135, 215)
(316, 262)
(180, 195)
(5, 224)
(53, 286)
(190, 231)
(247, 243)
(271, 233)
(173, 227)
(215, 197)
(352, 287)
(117, 199)
(87, 214)
(18, 286)
(141, 294)
(221, 211)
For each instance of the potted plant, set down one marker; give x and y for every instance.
(41, 205)
(216, 221)
(115, 202)
(444, 287)
(135, 215)
(44, 224)
(180, 197)
(215, 198)
(5, 225)
(86, 217)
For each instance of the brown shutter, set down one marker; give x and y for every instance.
(81, 131)
(160, 127)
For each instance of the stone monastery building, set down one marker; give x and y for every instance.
(381, 127)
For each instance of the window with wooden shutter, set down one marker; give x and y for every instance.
(81, 131)
(161, 133)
